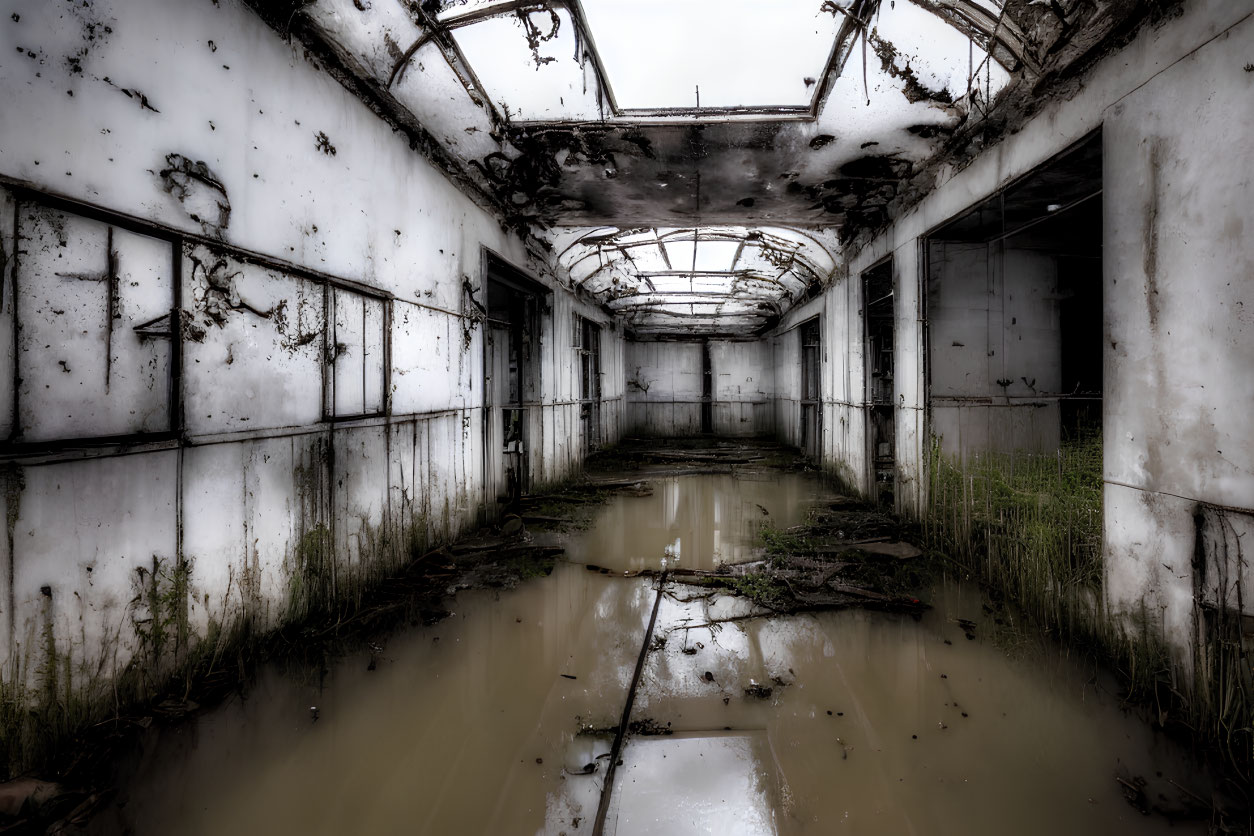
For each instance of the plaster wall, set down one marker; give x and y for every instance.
(664, 382)
(842, 374)
(242, 363)
(995, 347)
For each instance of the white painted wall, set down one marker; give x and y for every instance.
(664, 387)
(338, 270)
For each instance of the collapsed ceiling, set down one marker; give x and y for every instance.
(695, 163)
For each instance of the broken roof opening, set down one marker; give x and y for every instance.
(577, 121)
(601, 60)
(670, 54)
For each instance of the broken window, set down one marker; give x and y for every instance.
(95, 307)
(531, 64)
(565, 61)
(1015, 312)
(356, 346)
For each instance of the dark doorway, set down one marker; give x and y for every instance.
(811, 391)
(588, 335)
(511, 380)
(877, 323)
(707, 389)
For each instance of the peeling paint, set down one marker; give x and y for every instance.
(199, 192)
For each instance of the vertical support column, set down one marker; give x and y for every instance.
(909, 384)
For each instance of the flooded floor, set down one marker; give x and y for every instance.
(500, 719)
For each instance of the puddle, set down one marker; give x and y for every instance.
(699, 522)
(696, 783)
(847, 721)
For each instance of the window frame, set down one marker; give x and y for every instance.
(13, 443)
(330, 288)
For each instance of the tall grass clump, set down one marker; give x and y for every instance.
(1029, 526)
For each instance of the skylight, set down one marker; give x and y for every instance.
(657, 54)
(705, 281)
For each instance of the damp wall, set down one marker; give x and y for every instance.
(241, 351)
(1174, 108)
(841, 438)
(995, 345)
(666, 387)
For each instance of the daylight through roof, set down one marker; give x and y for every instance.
(675, 147)
(704, 281)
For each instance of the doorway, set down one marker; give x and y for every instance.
(511, 381)
(588, 336)
(877, 327)
(811, 391)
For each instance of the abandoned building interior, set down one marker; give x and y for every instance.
(293, 291)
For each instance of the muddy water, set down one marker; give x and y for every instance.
(839, 722)
(697, 521)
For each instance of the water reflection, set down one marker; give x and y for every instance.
(881, 724)
(464, 727)
(720, 783)
(698, 522)
(852, 722)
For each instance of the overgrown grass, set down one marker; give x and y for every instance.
(1029, 524)
(761, 589)
(1030, 527)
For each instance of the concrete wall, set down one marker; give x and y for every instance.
(664, 387)
(995, 347)
(842, 374)
(312, 411)
(1174, 108)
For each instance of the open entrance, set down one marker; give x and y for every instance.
(1015, 350)
(1014, 311)
(588, 335)
(877, 323)
(707, 389)
(811, 392)
(511, 380)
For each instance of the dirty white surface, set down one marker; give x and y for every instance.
(1176, 289)
(328, 370)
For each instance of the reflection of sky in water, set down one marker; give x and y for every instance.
(689, 784)
(469, 726)
(705, 520)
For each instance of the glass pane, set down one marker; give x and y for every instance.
(680, 254)
(646, 258)
(716, 255)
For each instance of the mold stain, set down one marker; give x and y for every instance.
(1150, 262)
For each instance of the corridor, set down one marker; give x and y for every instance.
(297, 294)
